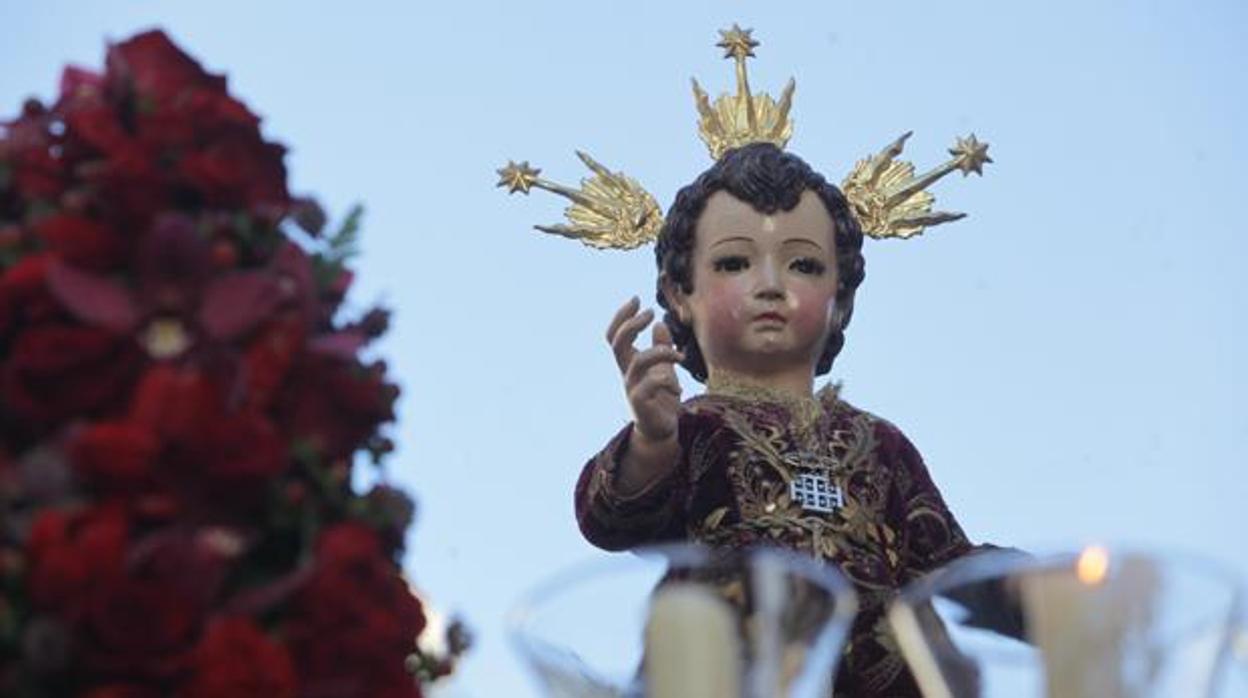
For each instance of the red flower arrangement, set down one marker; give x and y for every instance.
(180, 407)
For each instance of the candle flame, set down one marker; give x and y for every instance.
(1093, 565)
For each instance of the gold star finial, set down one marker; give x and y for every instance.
(971, 155)
(888, 196)
(517, 177)
(737, 42)
(891, 201)
(610, 209)
(734, 120)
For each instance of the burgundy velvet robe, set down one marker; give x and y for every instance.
(729, 490)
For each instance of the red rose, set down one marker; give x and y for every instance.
(94, 131)
(239, 170)
(197, 116)
(209, 138)
(235, 659)
(117, 454)
(239, 448)
(156, 69)
(356, 620)
(139, 627)
(27, 147)
(213, 112)
(81, 241)
(76, 82)
(175, 402)
(334, 405)
(164, 341)
(207, 443)
(267, 360)
(115, 171)
(24, 296)
(190, 562)
(56, 372)
(70, 553)
(129, 187)
(347, 546)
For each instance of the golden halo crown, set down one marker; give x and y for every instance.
(611, 210)
(744, 118)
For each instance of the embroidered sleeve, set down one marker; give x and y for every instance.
(615, 522)
(929, 535)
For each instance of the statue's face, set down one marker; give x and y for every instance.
(764, 286)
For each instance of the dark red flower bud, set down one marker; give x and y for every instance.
(374, 323)
(309, 216)
(32, 108)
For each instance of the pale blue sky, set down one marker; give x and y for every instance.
(1066, 358)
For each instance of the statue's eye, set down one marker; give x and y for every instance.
(731, 263)
(808, 265)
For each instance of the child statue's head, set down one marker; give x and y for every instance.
(759, 231)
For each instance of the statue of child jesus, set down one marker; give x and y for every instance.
(758, 262)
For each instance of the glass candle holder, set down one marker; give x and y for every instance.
(686, 622)
(1098, 623)
(1237, 686)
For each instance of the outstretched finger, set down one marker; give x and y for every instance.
(626, 311)
(626, 334)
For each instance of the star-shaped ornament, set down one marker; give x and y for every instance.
(517, 177)
(971, 155)
(737, 42)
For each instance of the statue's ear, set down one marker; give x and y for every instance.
(676, 298)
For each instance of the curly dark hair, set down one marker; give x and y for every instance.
(770, 180)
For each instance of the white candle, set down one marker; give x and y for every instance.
(692, 646)
(1083, 619)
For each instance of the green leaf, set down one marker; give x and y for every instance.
(344, 244)
(305, 453)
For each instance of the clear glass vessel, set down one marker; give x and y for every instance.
(1098, 623)
(649, 624)
(1237, 685)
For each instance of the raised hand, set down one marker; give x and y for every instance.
(649, 374)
